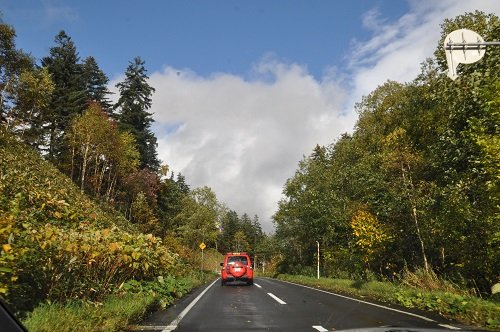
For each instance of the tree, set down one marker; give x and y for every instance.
(101, 156)
(68, 98)
(134, 101)
(229, 227)
(24, 90)
(169, 199)
(200, 218)
(241, 242)
(142, 214)
(143, 180)
(12, 63)
(466, 192)
(89, 132)
(370, 234)
(96, 81)
(400, 160)
(181, 183)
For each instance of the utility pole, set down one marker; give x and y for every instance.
(317, 242)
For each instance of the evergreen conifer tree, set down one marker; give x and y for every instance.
(68, 98)
(96, 81)
(134, 101)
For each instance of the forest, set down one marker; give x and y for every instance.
(415, 186)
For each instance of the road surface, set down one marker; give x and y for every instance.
(273, 305)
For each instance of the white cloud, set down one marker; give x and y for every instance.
(244, 138)
(55, 12)
(396, 49)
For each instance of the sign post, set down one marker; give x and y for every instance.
(202, 247)
(317, 242)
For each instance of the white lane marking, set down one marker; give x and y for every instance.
(258, 285)
(280, 301)
(146, 327)
(173, 325)
(446, 326)
(320, 328)
(353, 299)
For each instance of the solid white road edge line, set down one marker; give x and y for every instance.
(365, 302)
(446, 326)
(146, 327)
(280, 301)
(173, 325)
(320, 328)
(258, 285)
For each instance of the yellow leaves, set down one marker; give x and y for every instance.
(113, 246)
(105, 233)
(6, 247)
(70, 247)
(151, 238)
(370, 233)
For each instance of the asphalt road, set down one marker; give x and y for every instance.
(273, 305)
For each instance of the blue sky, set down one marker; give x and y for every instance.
(205, 36)
(245, 89)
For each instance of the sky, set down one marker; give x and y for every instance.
(246, 89)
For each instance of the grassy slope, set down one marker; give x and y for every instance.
(44, 217)
(25, 172)
(115, 313)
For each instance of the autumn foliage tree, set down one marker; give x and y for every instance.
(100, 154)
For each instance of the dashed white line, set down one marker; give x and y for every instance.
(173, 325)
(320, 328)
(280, 301)
(258, 285)
(446, 326)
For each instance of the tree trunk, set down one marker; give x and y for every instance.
(413, 203)
(101, 177)
(72, 162)
(84, 166)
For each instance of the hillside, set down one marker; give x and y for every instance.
(57, 244)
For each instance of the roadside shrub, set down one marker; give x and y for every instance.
(429, 280)
(57, 244)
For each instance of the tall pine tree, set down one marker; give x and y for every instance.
(68, 98)
(135, 100)
(96, 82)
